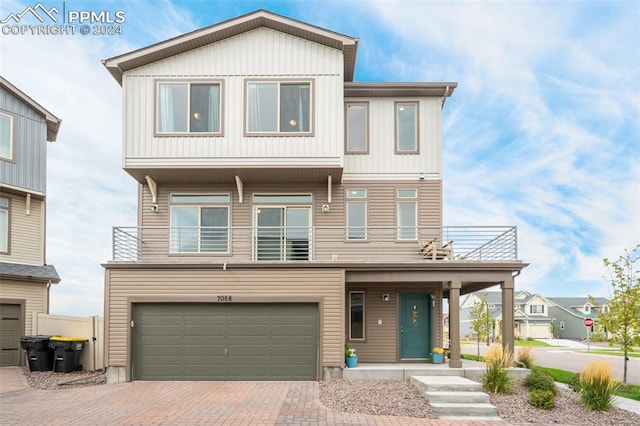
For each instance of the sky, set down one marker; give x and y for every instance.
(543, 131)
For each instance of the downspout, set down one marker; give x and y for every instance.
(48, 295)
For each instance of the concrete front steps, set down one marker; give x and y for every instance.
(456, 398)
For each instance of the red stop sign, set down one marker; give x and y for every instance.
(588, 322)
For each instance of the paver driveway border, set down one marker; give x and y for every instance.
(182, 403)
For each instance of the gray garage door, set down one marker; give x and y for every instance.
(9, 335)
(205, 341)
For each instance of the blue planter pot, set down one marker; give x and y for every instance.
(437, 358)
(352, 361)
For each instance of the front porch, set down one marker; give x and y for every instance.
(403, 372)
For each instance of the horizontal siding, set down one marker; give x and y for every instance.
(244, 286)
(381, 212)
(257, 54)
(381, 341)
(382, 159)
(27, 168)
(26, 243)
(35, 295)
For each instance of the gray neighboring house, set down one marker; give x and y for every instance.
(568, 314)
(25, 276)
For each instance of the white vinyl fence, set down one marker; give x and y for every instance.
(90, 328)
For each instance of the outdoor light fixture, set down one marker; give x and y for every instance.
(325, 208)
(385, 297)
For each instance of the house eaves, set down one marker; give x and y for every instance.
(53, 122)
(21, 272)
(230, 28)
(398, 90)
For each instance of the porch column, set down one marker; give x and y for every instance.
(454, 324)
(507, 314)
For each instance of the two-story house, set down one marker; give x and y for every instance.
(568, 314)
(531, 317)
(25, 277)
(284, 210)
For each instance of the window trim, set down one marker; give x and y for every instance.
(228, 206)
(156, 98)
(364, 322)
(12, 135)
(398, 104)
(356, 199)
(407, 200)
(536, 313)
(365, 151)
(7, 209)
(279, 81)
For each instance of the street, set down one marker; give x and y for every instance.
(570, 358)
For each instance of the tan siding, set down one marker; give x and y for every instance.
(262, 53)
(26, 243)
(324, 286)
(35, 295)
(381, 341)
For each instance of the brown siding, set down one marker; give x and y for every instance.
(381, 341)
(35, 295)
(125, 286)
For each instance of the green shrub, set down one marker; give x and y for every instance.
(496, 376)
(597, 386)
(540, 380)
(574, 383)
(598, 337)
(542, 399)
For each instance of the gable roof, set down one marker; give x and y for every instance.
(230, 28)
(53, 122)
(569, 302)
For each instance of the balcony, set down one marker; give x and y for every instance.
(155, 244)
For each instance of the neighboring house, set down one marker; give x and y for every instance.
(25, 277)
(531, 316)
(568, 315)
(281, 208)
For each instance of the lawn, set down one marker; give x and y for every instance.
(530, 343)
(613, 353)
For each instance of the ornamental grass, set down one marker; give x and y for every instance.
(597, 386)
(526, 357)
(496, 376)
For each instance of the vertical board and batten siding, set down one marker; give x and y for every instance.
(382, 211)
(26, 244)
(381, 341)
(34, 294)
(28, 166)
(255, 286)
(258, 54)
(382, 158)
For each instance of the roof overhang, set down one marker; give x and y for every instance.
(397, 90)
(53, 122)
(230, 28)
(32, 273)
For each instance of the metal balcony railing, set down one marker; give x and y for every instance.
(315, 244)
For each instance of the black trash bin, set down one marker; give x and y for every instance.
(66, 353)
(39, 354)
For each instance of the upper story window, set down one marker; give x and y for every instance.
(407, 214)
(6, 136)
(279, 107)
(406, 127)
(189, 107)
(587, 308)
(200, 223)
(356, 214)
(357, 137)
(536, 309)
(4, 225)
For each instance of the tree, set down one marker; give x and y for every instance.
(480, 318)
(622, 318)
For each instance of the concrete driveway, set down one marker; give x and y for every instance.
(178, 403)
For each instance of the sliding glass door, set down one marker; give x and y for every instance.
(282, 233)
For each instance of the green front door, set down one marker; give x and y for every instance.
(415, 325)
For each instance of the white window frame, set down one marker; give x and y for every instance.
(399, 107)
(407, 196)
(199, 205)
(363, 316)
(347, 137)
(541, 310)
(356, 196)
(10, 141)
(189, 131)
(5, 210)
(279, 84)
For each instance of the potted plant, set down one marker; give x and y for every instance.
(350, 357)
(437, 355)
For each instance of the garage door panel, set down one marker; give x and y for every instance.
(205, 341)
(10, 350)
